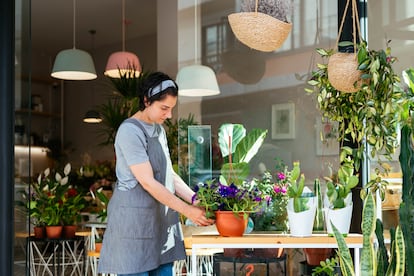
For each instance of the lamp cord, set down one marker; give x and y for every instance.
(195, 32)
(74, 24)
(123, 25)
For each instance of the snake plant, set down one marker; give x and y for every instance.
(372, 258)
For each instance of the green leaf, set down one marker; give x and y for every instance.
(229, 137)
(249, 145)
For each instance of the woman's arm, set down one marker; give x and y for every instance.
(182, 189)
(144, 174)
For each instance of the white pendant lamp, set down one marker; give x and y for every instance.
(122, 63)
(74, 64)
(197, 80)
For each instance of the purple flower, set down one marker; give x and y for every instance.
(281, 176)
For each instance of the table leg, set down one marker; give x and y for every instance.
(356, 261)
(194, 261)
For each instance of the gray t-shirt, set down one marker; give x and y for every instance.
(130, 149)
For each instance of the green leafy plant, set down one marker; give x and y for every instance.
(121, 104)
(339, 186)
(214, 196)
(406, 215)
(328, 267)
(371, 113)
(296, 187)
(272, 215)
(370, 256)
(237, 148)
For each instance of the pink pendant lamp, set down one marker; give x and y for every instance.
(123, 63)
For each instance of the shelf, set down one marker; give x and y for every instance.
(38, 113)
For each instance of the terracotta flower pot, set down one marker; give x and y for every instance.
(39, 232)
(230, 224)
(315, 255)
(54, 232)
(98, 246)
(69, 231)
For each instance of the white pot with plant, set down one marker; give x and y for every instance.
(302, 204)
(338, 198)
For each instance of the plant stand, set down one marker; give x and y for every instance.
(234, 265)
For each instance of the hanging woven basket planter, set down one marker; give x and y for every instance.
(343, 72)
(258, 30)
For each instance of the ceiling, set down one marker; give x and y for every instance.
(52, 23)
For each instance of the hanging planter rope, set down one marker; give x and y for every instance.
(343, 72)
(258, 30)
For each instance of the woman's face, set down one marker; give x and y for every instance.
(159, 111)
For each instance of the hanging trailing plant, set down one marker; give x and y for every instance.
(372, 111)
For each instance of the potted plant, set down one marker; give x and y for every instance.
(373, 261)
(370, 113)
(301, 207)
(49, 195)
(338, 199)
(73, 203)
(273, 213)
(233, 193)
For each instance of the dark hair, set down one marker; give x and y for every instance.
(150, 83)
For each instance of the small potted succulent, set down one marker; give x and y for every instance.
(338, 198)
(302, 203)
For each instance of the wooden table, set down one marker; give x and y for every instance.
(267, 240)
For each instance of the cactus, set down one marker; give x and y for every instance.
(318, 224)
(406, 210)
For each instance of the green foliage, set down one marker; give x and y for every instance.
(295, 189)
(373, 260)
(328, 267)
(370, 113)
(121, 104)
(237, 148)
(340, 185)
(407, 166)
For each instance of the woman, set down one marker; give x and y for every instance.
(143, 235)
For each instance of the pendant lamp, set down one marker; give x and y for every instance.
(74, 64)
(197, 80)
(92, 117)
(121, 63)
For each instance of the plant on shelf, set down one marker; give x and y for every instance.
(73, 203)
(273, 213)
(104, 200)
(233, 192)
(371, 112)
(296, 189)
(339, 185)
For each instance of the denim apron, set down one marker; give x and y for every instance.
(142, 233)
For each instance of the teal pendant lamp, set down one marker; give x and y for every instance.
(197, 80)
(123, 63)
(74, 64)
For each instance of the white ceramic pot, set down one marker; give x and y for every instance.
(301, 224)
(341, 218)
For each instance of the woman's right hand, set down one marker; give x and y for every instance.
(198, 216)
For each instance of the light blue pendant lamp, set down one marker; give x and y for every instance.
(197, 80)
(74, 64)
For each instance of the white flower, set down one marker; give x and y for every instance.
(58, 177)
(46, 188)
(39, 179)
(67, 169)
(64, 180)
(47, 172)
